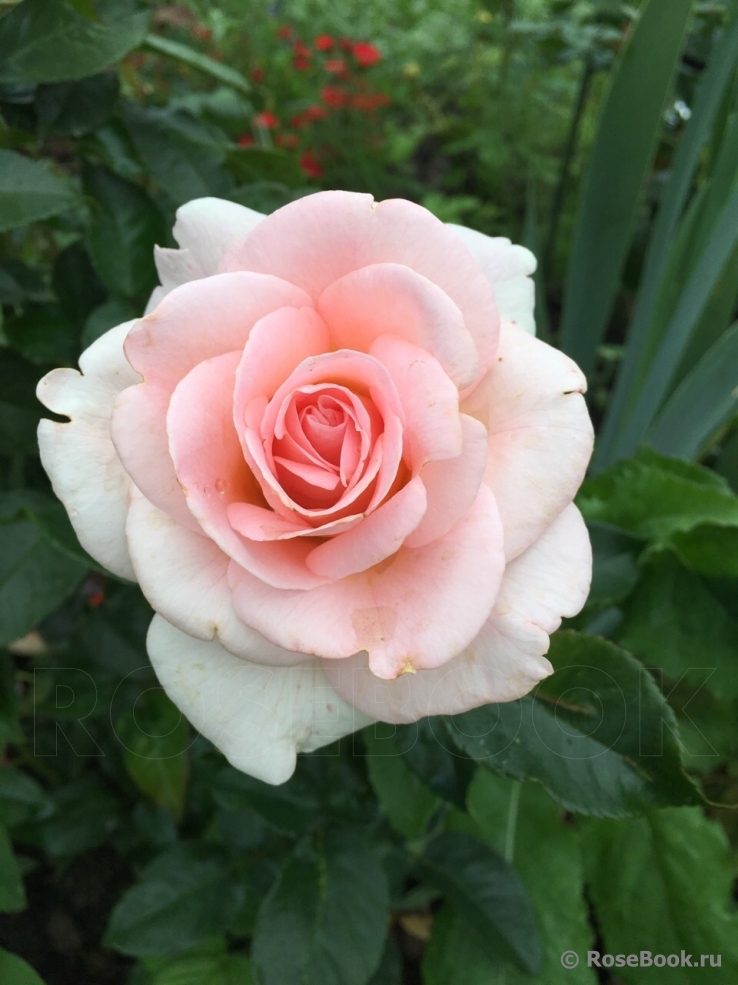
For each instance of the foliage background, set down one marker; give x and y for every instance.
(472, 849)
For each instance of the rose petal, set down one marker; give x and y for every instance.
(388, 298)
(184, 575)
(259, 717)
(540, 434)
(320, 238)
(79, 456)
(419, 610)
(506, 660)
(209, 465)
(509, 269)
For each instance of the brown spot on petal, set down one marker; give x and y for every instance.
(373, 626)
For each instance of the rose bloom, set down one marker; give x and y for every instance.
(310, 164)
(339, 465)
(366, 54)
(324, 42)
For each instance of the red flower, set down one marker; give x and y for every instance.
(314, 113)
(310, 165)
(284, 32)
(300, 49)
(257, 74)
(337, 66)
(333, 96)
(324, 42)
(300, 63)
(245, 140)
(366, 54)
(266, 120)
(366, 102)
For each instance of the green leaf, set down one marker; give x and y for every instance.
(431, 753)
(156, 737)
(221, 969)
(628, 129)
(597, 734)
(324, 921)
(708, 549)
(705, 400)
(663, 884)
(71, 109)
(85, 814)
(126, 225)
(614, 568)
(29, 190)
(183, 897)
(487, 894)
(15, 971)
(674, 622)
(21, 798)
(651, 496)
(454, 957)
(12, 890)
(76, 284)
(292, 807)
(48, 41)
(195, 59)
(554, 879)
(406, 802)
(20, 412)
(44, 334)
(711, 94)
(112, 312)
(34, 578)
(260, 164)
(183, 155)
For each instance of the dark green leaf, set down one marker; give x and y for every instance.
(183, 155)
(291, 807)
(597, 734)
(455, 957)
(76, 284)
(183, 898)
(487, 894)
(432, 754)
(260, 164)
(614, 571)
(674, 622)
(20, 412)
(48, 41)
(406, 802)
(21, 798)
(15, 971)
(113, 312)
(85, 815)
(71, 109)
(196, 59)
(708, 549)
(221, 969)
(44, 334)
(34, 578)
(125, 227)
(12, 890)
(307, 932)
(663, 884)
(628, 129)
(30, 190)
(156, 739)
(651, 496)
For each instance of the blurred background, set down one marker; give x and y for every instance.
(602, 135)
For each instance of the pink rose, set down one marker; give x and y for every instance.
(339, 465)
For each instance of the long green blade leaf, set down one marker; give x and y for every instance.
(704, 400)
(195, 59)
(620, 160)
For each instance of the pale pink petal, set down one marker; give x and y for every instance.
(381, 534)
(452, 485)
(211, 470)
(391, 298)
(184, 575)
(205, 229)
(507, 659)
(259, 717)
(320, 238)
(261, 523)
(509, 269)
(540, 434)
(429, 399)
(202, 319)
(419, 609)
(79, 456)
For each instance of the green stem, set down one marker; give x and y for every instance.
(512, 820)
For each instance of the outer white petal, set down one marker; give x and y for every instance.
(506, 660)
(509, 269)
(259, 717)
(184, 575)
(540, 434)
(79, 456)
(205, 229)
